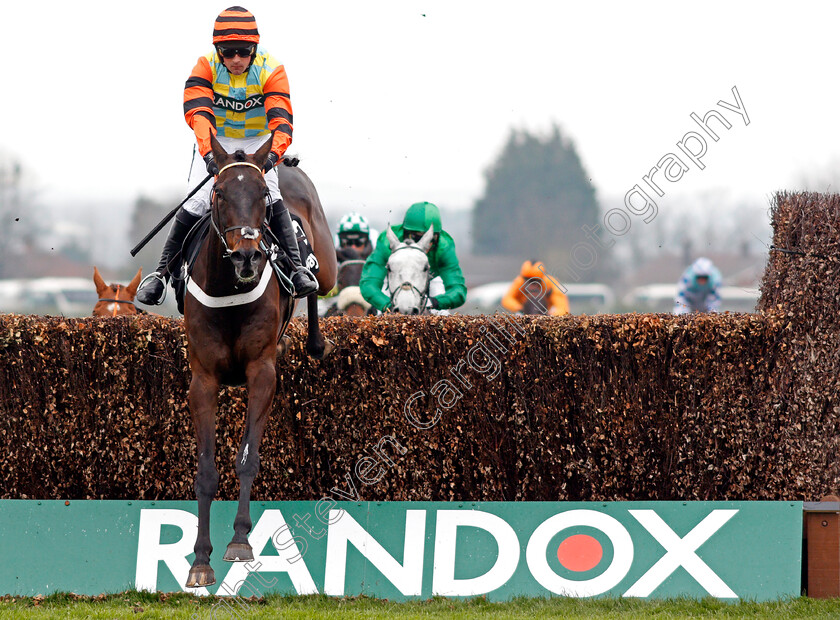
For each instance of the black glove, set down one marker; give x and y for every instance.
(435, 303)
(291, 162)
(270, 161)
(212, 167)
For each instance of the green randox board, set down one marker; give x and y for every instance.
(405, 550)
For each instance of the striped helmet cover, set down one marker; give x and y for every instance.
(235, 24)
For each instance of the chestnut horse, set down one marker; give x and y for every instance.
(234, 313)
(115, 299)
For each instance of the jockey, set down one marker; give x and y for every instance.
(533, 273)
(699, 288)
(443, 262)
(240, 94)
(354, 232)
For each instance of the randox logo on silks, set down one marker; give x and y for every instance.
(238, 105)
(409, 550)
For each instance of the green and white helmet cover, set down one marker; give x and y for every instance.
(353, 222)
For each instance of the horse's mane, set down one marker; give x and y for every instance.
(239, 155)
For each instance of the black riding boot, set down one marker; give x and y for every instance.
(282, 227)
(152, 292)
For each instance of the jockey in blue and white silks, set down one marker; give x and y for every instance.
(699, 288)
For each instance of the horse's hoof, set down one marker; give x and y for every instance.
(283, 346)
(200, 576)
(329, 345)
(239, 552)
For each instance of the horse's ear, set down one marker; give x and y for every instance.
(426, 240)
(392, 238)
(101, 287)
(131, 289)
(261, 155)
(218, 150)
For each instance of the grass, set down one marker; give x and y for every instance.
(186, 606)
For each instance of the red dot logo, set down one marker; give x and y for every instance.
(580, 553)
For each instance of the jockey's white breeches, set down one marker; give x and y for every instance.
(199, 204)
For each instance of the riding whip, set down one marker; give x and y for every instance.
(168, 217)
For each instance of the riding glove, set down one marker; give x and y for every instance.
(270, 161)
(212, 166)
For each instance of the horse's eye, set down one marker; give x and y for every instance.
(426, 268)
(388, 267)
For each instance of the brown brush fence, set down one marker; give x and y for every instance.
(625, 407)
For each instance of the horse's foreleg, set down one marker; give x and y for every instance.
(262, 382)
(203, 400)
(316, 345)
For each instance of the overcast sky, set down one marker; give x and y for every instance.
(400, 101)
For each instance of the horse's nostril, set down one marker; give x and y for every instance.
(415, 311)
(243, 257)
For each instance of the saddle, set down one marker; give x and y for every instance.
(278, 259)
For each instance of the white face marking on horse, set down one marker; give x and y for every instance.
(241, 177)
(110, 307)
(245, 454)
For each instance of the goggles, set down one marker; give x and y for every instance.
(242, 52)
(415, 236)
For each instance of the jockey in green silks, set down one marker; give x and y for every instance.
(443, 261)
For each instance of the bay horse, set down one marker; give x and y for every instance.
(235, 311)
(408, 273)
(115, 299)
(350, 264)
(349, 301)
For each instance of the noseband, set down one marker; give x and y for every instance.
(424, 294)
(247, 231)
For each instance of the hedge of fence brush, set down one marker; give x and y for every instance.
(479, 408)
(802, 285)
(629, 407)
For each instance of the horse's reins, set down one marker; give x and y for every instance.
(247, 231)
(424, 294)
(352, 261)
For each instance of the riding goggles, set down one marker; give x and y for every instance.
(415, 236)
(242, 52)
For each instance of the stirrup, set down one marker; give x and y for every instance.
(155, 276)
(304, 270)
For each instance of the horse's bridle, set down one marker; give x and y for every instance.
(424, 294)
(247, 231)
(116, 301)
